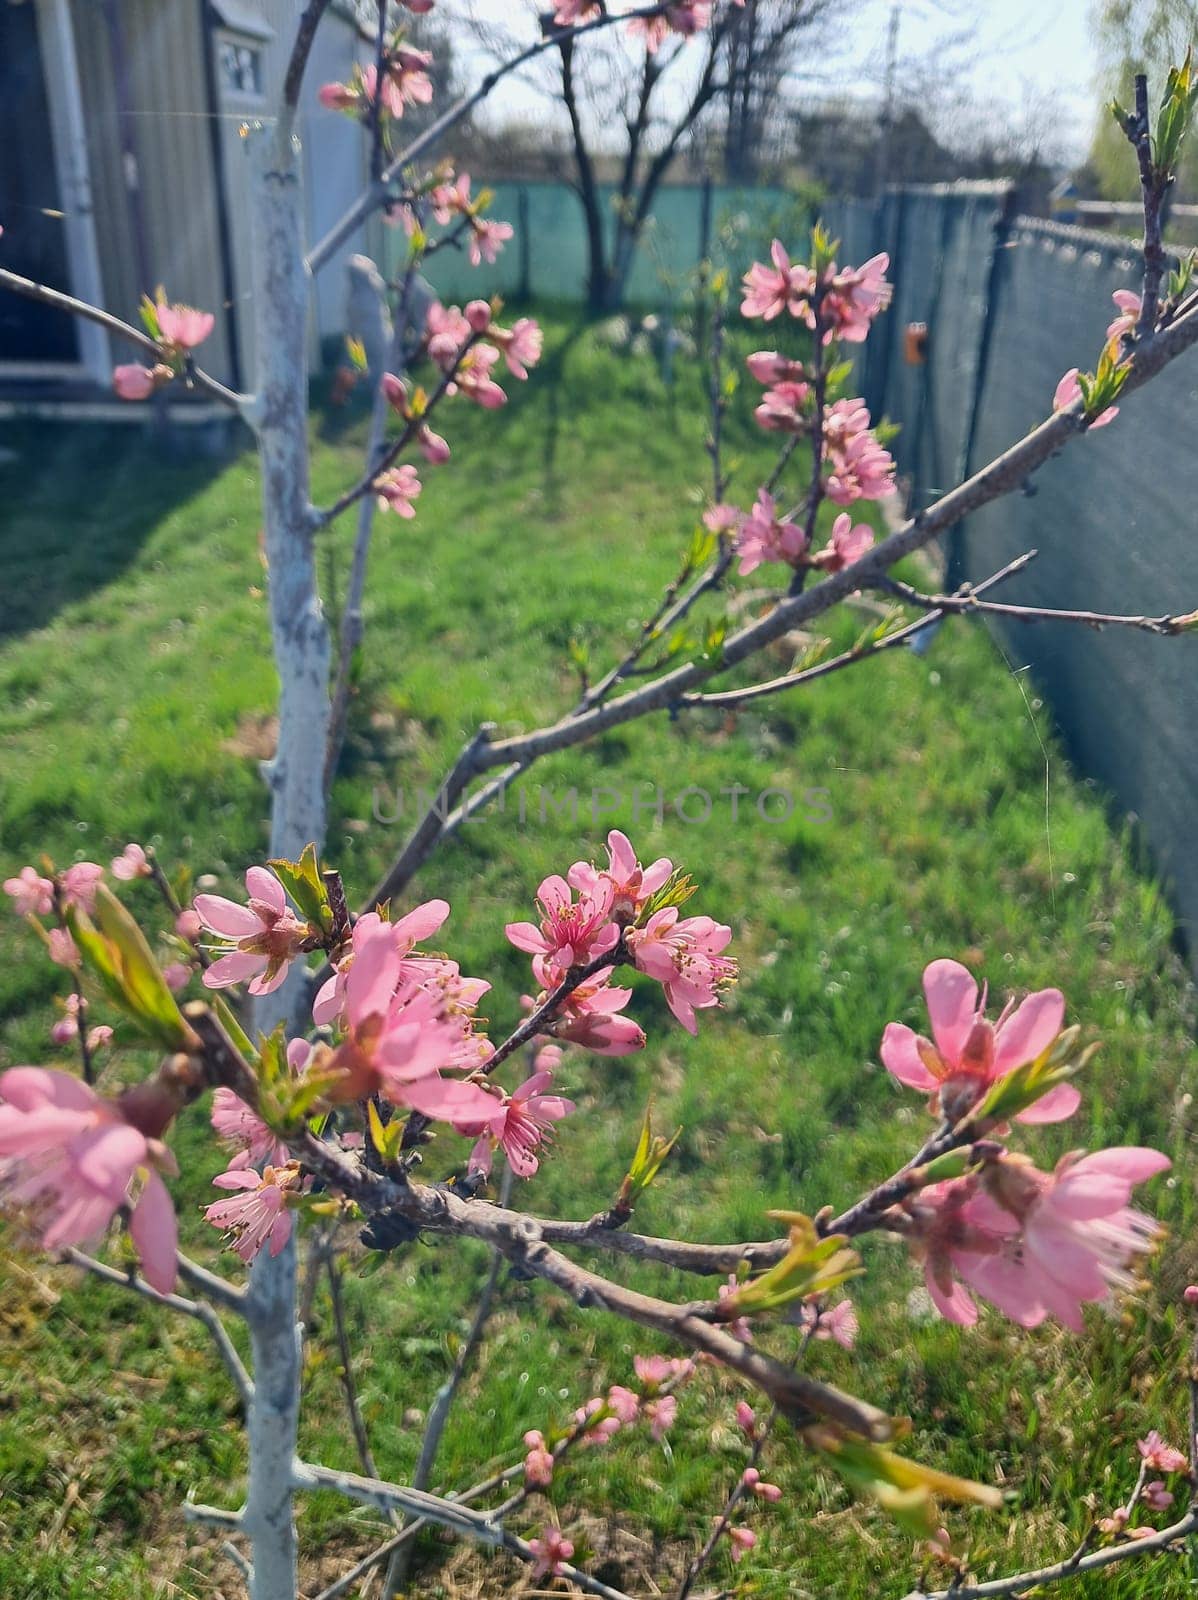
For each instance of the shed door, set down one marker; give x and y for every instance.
(34, 242)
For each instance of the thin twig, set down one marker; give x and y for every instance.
(1096, 1561)
(104, 319)
(199, 1310)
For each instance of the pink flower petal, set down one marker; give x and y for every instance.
(155, 1232)
(226, 917)
(236, 967)
(901, 1058)
(1029, 1030)
(263, 885)
(952, 998)
(106, 1159)
(1054, 1106)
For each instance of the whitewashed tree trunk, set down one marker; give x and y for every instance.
(279, 416)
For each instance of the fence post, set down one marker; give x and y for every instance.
(524, 234)
(1004, 221)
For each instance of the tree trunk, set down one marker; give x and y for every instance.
(296, 778)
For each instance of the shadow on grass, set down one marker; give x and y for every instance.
(80, 500)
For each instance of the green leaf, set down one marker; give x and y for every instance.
(647, 1161)
(908, 1490)
(303, 882)
(811, 1266)
(115, 949)
(1029, 1083)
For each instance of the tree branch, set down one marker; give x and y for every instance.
(196, 1309)
(192, 376)
(1096, 1561)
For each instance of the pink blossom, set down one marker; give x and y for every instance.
(133, 381)
(406, 933)
(1116, 1523)
(848, 544)
(838, 1322)
(538, 1463)
(67, 1027)
(686, 18)
(770, 368)
(1069, 390)
(407, 70)
(746, 1419)
(451, 199)
(446, 330)
(402, 1027)
(781, 408)
(632, 886)
(739, 1329)
(520, 345)
(397, 489)
(756, 1485)
(1128, 305)
(188, 925)
(552, 1551)
(71, 1160)
(569, 12)
(478, 315)
(571, 932)
(661, 1415)
(79, 883)
(32, 895)
(1159, 1456)
(861, 468)
(338, 96)
(237, 1125)
(723, 518)
(589, 1014)
(655, 1370)
(1156, 1497)
(596, 1431)
(520, 1125)
(257, 1213)
(1036, 1244)
(259, 940)
(852, 298)
(742, 1540)
(683, 954)
(624, 1403)
(183, 326)
(473, 377)
(765, 536)
(969, 1053)
(177, 975)
(487, 239)
(63, 950)
(432, 446)
(771, 290)
(131, 863)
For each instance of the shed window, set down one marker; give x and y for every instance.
(240, 68)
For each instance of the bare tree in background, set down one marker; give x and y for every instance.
(631, 113)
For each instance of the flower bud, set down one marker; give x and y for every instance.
(478, 315)
(394, 392)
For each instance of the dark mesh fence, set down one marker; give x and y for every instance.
(1012, 302)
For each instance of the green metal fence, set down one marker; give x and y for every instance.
(547, 259)
(1011, 302)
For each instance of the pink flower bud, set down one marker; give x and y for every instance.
(395, 393)
(478, 315)
(746, 1418)
(433, 447)
(177, 976)
(188, 925)
(133, 382)
(1191, 1294)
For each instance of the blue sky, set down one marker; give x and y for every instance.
(1006, 53)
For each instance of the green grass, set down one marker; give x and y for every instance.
(135, 685)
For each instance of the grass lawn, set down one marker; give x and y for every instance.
(135, 695)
